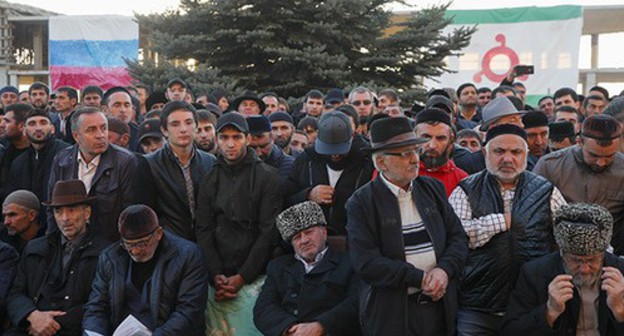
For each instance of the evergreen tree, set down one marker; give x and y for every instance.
(291, 46)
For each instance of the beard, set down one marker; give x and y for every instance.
(432, 162)
(45, 139)
(283, 143)
(503, 176)
(583, 280)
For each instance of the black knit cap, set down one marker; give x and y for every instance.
(281, 116)
(258, 124)
(601, 127)
(115, 89)
(433, 114)
(560, 130)
(534, 119)
(504, 129)
(137, 221)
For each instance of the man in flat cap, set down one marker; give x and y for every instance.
(593, 171)
(176, 89)
(576, 291)
(237, 204)
(55, 271)
(21, 212)
(435, 125)
(330, 171)
(153, 275)
(405, 241)
(314, 291)
(507, 214)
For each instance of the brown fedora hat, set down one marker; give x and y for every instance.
(68, 192)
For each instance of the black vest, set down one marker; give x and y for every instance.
(491, 270)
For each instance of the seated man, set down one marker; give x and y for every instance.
(54, 274)
(8, 263)
(314, 292)
(155, 276)
(21, 211)
(576, 291)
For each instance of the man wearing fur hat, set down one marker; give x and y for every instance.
(153, 275)
(576, 291)
(405, 240)
(507, 214)
(592, 172)
(314, 291)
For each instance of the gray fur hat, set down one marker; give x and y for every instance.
(583, 229)
(298, 218)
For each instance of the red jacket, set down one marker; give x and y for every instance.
(449, 175)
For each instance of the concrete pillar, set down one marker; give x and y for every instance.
(594, 51)
(38, 46)
(590, 81)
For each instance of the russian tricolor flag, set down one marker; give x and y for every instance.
(89, 50)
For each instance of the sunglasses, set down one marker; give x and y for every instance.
(360, 102)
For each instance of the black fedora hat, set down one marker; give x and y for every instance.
(390, 133)
(69, 192)
(248, 95)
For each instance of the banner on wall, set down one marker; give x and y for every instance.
(546, 37)
(90, 50)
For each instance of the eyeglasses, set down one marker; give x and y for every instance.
(407, 153)
(140, 244)
(360, 102)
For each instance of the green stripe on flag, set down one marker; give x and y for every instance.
(515, 15)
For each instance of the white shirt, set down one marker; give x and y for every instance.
(317, 260)
(86, 171)
(334, 176)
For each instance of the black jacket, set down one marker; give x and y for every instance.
(310, 170)
(236, 209)
(178, 293)
(161, 186)
(378, 254)
(491, 270)
(41, 284)
(8, 262)
(31, 169)
(328, 294)
(526, 312)
(112, 185)
(280, 161)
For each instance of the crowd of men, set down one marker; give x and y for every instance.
(350, 213)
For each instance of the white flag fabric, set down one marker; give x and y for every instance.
(546, 37)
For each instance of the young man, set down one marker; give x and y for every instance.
(237, 205)
(170, 177)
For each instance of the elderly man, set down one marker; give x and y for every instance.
(576, 291)
(248, 104)
(170, 177)
(314, 291)
(499, 111)
(330, 171)
(21, 219)
(106, 170)
(435, 162)
(236, 209)
(405, 241)
(506, 212)
(54, 275)
(158, 278)
(592, 172)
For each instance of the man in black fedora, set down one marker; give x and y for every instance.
(248, 104)
(53, 279)
(406, 242)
